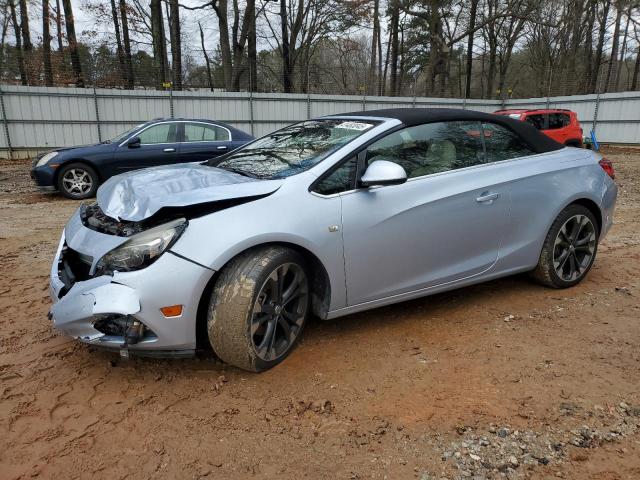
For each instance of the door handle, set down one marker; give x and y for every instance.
(169, 150)
(222, 147)
(487, 197)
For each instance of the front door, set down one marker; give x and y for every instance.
(444, 224)
(158, 146)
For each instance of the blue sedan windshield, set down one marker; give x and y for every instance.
(293, 149)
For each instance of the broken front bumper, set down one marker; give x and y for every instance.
(90, 309)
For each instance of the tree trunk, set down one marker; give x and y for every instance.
(614, 49)
(636, 71)
(59, 27)
(395, 19)
(593, 6)
(24, 27)
(158, 40)
(386, 65)
(623, 52)
(19, 55)
(252, 50)
(598, 59)
(576, 38)
(73, 43)
(287, 82)
(127, 45)
(373, 88)
(119, 50)
(379, 46)
(206, 57)
(46, 45)
(225, 47)
(472, 25)
(176, 45)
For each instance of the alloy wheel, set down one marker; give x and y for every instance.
(77, 181)
(279, 311)
(574, 247)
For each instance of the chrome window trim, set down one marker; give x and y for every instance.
(437, 174)
(209, 124)
(178, 121)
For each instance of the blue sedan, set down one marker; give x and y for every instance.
(76, 172)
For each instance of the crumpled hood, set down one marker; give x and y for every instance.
(137, 195)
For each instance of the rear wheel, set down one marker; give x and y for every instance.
(77, 181)
(259, 307)
(569, 249)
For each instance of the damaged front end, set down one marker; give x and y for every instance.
(110, 279)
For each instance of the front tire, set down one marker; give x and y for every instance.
(569, 249)
(77, 181)
(259, 307)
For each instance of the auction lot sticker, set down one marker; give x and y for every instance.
(354, 125)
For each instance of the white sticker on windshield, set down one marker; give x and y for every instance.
(354, 125)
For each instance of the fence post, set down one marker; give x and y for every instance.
(595, 113)
(415, 94)
(251, 121)
(5, 124)
(171, 101)
(364, 101)
(95, 105)
(308, 95)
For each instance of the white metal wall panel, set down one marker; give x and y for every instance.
(39, 118)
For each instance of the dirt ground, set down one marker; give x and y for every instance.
(505, 379)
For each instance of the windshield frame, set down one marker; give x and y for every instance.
(373, 123)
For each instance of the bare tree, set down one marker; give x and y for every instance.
(46, 45)
(206, 57)
(127, 44)
(73, 43)
(176, 45)
(116, 28)
(159, 43)
(614, 48)
(18, 35)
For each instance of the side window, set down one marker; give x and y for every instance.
(161, 133)
(340, 180)
(536, 120)
(200, 132)
(431, 147)
(557, 120)
(503, 144)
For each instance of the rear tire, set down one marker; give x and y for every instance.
(259, 307)
(78, 181)
(569, 249)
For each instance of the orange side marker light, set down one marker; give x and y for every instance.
(172, 311)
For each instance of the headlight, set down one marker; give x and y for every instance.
(45, 158)
(142, 249)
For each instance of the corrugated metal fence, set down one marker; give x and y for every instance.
(42, 118)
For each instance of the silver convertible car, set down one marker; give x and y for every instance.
(329, 217)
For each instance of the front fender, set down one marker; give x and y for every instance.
(301, 219)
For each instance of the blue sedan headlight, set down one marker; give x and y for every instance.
(45, 158)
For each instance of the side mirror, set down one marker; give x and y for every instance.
(383, 172)
(133, 142)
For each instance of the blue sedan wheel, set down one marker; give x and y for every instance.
(77, 181)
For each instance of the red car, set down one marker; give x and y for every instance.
(560, 124)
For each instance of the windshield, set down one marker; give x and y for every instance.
(293, 149)
(123, 135)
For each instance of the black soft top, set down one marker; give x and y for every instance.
(416, 116)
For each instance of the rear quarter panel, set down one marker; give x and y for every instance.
(541, 187)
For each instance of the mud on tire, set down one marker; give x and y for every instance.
(236, 332)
